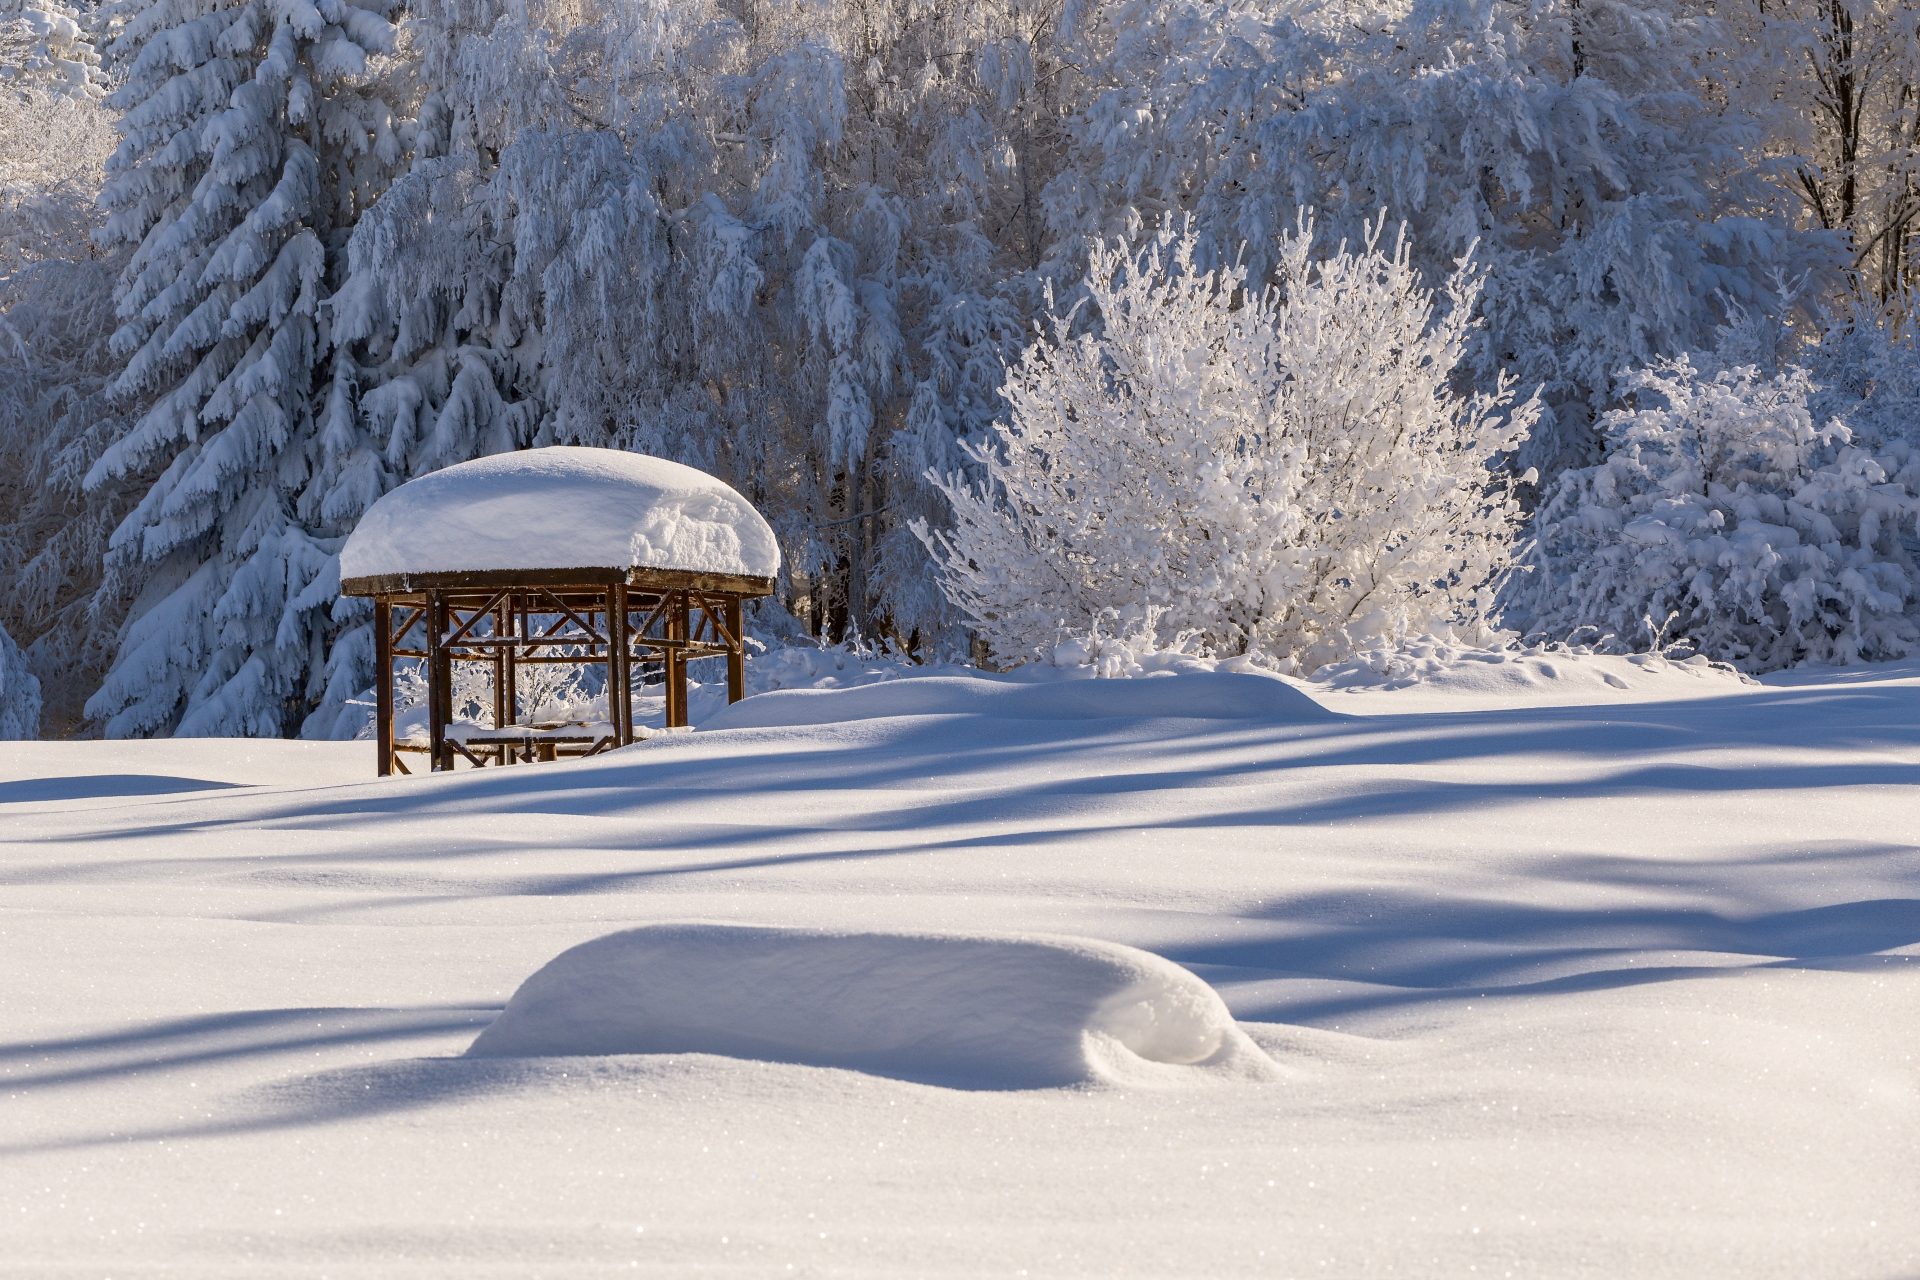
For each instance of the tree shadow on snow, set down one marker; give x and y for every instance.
(955, 783)
(148, 1048)
(353, 1093)
(101, 786)
(1332, 957)
(977, 755)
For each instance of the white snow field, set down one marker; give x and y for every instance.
(1614, 985)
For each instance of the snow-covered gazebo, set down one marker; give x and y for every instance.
(555, 555)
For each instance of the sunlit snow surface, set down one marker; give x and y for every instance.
(1623, 988)
(562, 507)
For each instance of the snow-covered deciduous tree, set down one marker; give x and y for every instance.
(19, 693)
(1286, 471)
(1725, 514)
(1837, 85)
(56, 315)
(1612, 188)
(254, 135)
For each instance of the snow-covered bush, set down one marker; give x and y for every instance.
(1723, 512)
(19, 694)
(1867, 371)
(44, 45)
(1285, 471)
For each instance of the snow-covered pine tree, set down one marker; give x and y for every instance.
(1725, 515)
(783, 244)
(254, 136)
(19, 694)
(1284, 472)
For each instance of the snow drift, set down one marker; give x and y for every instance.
(981, 1011)
(1553, 673)
(1200, 696)
(562, 507)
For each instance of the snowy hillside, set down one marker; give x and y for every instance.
(1523, 985)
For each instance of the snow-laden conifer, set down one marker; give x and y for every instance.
(1724, 514)
(1287, 471)
(786, 245)
(19, 693)
(250, 144)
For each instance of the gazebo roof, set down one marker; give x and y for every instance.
(561, 513)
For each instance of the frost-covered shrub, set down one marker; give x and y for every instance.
(1288, 472)
(1867, 371)
(1723, 512)
(19, 694)
(45, 45)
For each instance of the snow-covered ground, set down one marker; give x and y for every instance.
(1556, 979)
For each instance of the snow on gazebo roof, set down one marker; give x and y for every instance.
(562, 507)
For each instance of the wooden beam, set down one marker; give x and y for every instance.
(489, 580)
(736, 652)
(461, 747)
(509, 695)
(502, 658)
(439, 683)
(383, 687)
(677, 662)
(619, 666)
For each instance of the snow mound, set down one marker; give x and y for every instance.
(1549, 672)
(563, 507)
(979, 1011)
(1199, 696)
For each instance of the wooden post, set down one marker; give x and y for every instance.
(509, 695)
(619, 666)
(383, 685)
(677, 660)
(501, 716)
(736, 652)
(439, 684)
